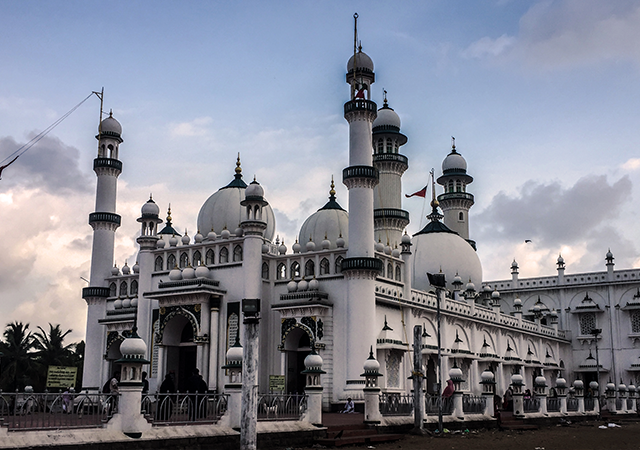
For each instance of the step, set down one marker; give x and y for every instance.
(356, 440)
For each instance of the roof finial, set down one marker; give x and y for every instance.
(435, 215)
(453, 144)
(238, 168)
(384, 93)
(355, 38)
(332, 192)
(169, 215)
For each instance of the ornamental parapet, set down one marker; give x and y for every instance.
(360, 104)
(455, 196)
(360, 263)
(109, 163)
(110, 218)
(391, 158)
(360, 176)
(95, 291)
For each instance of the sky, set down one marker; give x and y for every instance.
(541, 96)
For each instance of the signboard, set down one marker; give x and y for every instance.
(276, 383)
(61, 376)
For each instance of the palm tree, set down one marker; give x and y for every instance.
(18, 362)
(51, 351)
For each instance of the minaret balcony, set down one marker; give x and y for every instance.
(391, 157)
(391, 213)
(455, 196)
(109, 163)
(95, 291)
(360, 176)
(360, 104)
(111, 218)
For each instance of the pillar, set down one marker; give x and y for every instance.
(371, 390)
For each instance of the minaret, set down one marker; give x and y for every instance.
(104, 222)
(456, 201)
(389, 217)
(360, 268)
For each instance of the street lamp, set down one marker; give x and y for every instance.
(438, 281)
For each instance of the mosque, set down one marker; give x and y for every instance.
(353, 282)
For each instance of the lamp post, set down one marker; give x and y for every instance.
(595, 332)
(438, 281)
(249, 409)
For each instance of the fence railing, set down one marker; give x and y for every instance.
(184, 409)
(572, 404)
(589, 403)
(630, 403)
(432, 402)
(473, 405)
(396, 404)
(553, 404)
(531, 405)
(42, 411)
(618, 404)
(281, 406)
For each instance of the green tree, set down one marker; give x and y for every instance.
(18, 362)
(51, 351)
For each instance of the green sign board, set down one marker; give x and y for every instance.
(276, 383)
(61, 376)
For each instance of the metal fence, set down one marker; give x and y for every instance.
(432, 402)
(184, 409)
(572, 404)
(630, 403)
(473, 405)
(531, 405)
(281, 406)
(396, 404)
(553, 404)
(589, 403)
(42, 411)
(618, 404)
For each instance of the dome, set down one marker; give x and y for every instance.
(223, 209)
(330, 222)
(150, 209)
(560, 259)
(455, 373)
(198, 238)
(136, 267)
(185, 238)
(578, 384)
(188, 273)
(406, 239)
(314, 284)
(126, 270)
(594, 385)
(254, 190)
(516, 379)
(436, 247)
(313, 361)
(540, 381)
(371, 365)
(133, 347)
(387, 117)
(115, 271)
(292, 286)
(454, 162)
(561, 382)
(234, 355)
(202, 271)
(363, 62)
(110, 126)
(487, 376)
(175, 274)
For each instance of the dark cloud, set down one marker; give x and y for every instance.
(49, 165)
(553, 216)
(81, 244)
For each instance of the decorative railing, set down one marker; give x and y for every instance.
(281, 406)
(630, 403)
(473, 405)
(531, 405)
(619, 404)
(553, 404)
(184, 409)
(589, 404)
(572, 404)
(43, 411)
(396, 404)
(432, 404)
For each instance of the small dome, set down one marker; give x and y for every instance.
(326, 243)
(514, 265)
(211, 235)
(161, 243)
(150, 209)
(292, 286)
(609, 255)
(238, 232)
(487, 376)
(173, 241)
(594, 385)
(396, 254)
(379, 246)
(110, 126)
(340, 242)
(540, 381)
(486, 288)
(387, 249)
(117, 304)
(371, 365)
(518, 302)
(329, 222)
(387, 117)
(457, 280)
(115, 271)
(202, 271)
(126, 303)
(611, 386)
(310, 246)
(265, 248)
(622, 387)
(470, 286)
(363, 62)
(188, 273)
(406, 239)
(455, 373)
(234, 355)
(185, 239)
(175, 274)
(560, 259)
(454, 162)
(313, 361)
(303, 285)
(516, 379)
(134, 302)
(136, 267)
(282, 249)
(561, 382)
(314, 284)
(198, 238)
(126, 270)
(631, 388)
(254, 190)
(578, 384)
(495, 295)
(297, 247)
(225, 234)
(133, 347)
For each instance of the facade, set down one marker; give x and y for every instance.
(353, 281)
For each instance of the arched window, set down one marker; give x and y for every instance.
(237, 253)
(112, 290)
(265, 271)
(339, 264)
(309, 269)
(382, 268)
(224, 255)
(295, 269)
(171, 262)
(324, 266)
(210, 257)
(460, 215)
(380, 146)
(123, 289)
(450, 186)
(458, 186)
(159, 263)
(389, 146)
(184, 260)
(134, 288)
(398, 274)
(390, 271)
(281, 273)
(197, 258)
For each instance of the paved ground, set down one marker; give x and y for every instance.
(579, 436)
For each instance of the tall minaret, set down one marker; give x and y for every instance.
(360, 268)
(456, 201)
(389, 217)
(104, 222)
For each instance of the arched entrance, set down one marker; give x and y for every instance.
(297, 346)
(114, 339)
(181, 350)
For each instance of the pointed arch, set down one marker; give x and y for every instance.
(398, 273)
(237, 253)
(265, 271)
(112, 290)
(184, 260)
(224, 255)
(171, 262)
(123, 289)
(309, 268)
(159, 264)
(134, 287)
(339, 264)
(295, 269)
(390, 271)
(281, 273)
(197, 258)
(210, 257)
(325, 268)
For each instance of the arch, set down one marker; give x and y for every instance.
(490, 347)
(460, 215)
(134, 287)
(172, 327)
(159, 264)
(291, 336)
(382, 268)
(309, 269)
(339, 264)
(458, 186)
(398, 273)
(112, 352)
(237, 253)
(295, 269)
(197, 258)
(281, 272)
(171, 262)
(184, 260)
(124, 290)
(112, 290)
(389, 271)
(450, 186)
(511, 342)
(265, 271)
(210, 257)
(325, 267)
(224, 255)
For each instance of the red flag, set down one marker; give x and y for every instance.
(421, 193)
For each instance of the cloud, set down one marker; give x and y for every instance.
(488, 47)
(631, 164)
(196, 128)
(49, 165)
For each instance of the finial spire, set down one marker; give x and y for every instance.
(169, 215)
(453, 144)
(435, 216)
(355, 37)
(332, 191)
(238, 168)
(384, 94)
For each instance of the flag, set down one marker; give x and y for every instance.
(421, 193)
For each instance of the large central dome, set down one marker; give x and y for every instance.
(223, 210)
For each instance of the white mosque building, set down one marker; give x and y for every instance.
(354, 280)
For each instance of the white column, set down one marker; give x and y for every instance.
(213, 348)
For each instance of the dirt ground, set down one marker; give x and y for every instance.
(578, 436)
